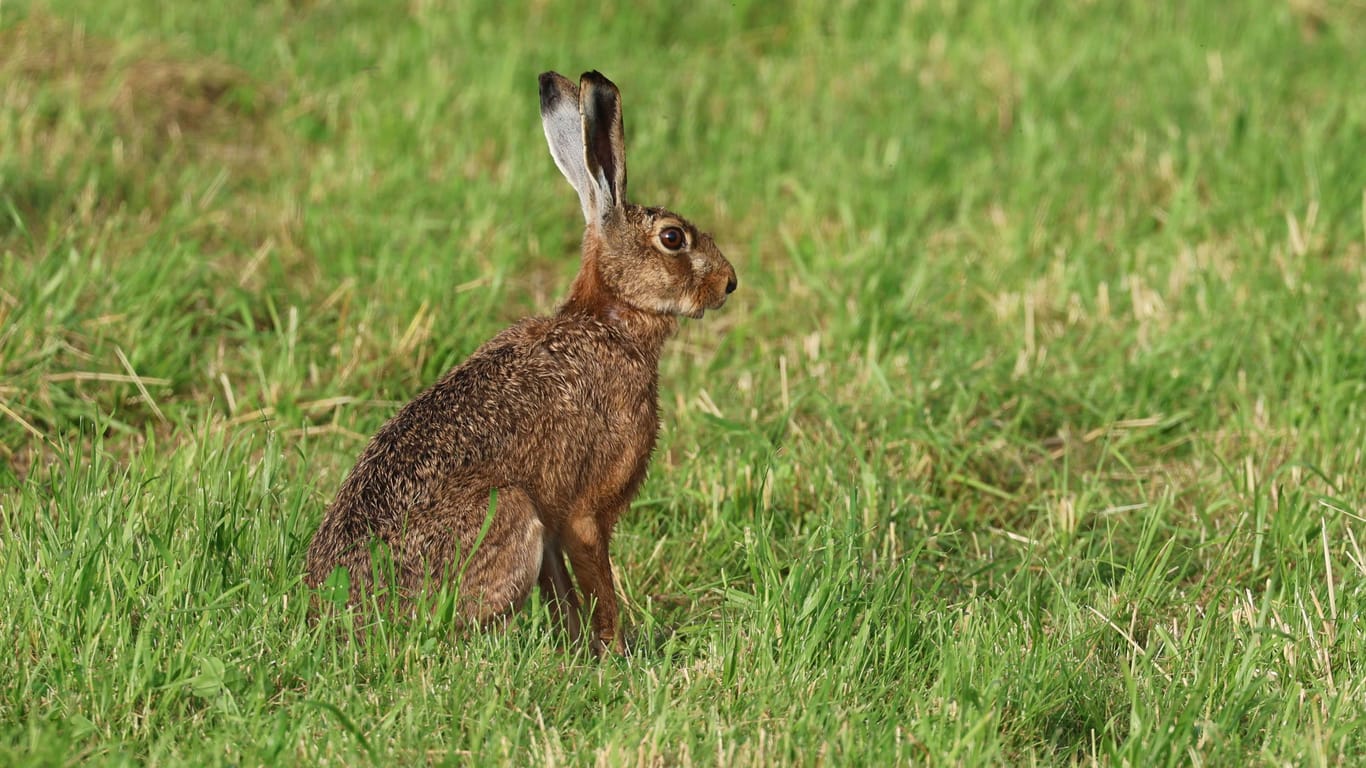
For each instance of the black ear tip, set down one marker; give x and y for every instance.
(548, 92)
(596, 78)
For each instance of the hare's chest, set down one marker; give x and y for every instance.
(623, 451)
(631, 427)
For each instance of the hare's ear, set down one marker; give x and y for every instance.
(604, 140)
(564, 133)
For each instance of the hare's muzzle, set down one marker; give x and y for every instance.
(720, 283)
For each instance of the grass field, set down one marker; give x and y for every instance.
(1035, 433)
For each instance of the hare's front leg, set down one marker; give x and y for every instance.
(557, 590)
(585, 541)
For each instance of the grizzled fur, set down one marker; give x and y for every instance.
(557, 414)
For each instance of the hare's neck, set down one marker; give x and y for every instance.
(588, 296)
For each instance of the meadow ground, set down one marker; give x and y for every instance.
(1034, 434)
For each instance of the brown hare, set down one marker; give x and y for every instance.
(554, 419)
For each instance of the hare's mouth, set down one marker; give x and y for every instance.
(690, 308)
(695, 306)
(718, 302)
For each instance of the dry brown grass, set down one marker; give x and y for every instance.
(108, 133)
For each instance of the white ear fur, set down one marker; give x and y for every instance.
(564, 133)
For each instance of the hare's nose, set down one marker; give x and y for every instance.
(730, 285)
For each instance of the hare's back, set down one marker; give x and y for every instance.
(543, 379)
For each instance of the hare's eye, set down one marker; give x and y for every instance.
(672, 238)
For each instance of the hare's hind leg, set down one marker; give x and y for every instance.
(491, 562)
(503, 567)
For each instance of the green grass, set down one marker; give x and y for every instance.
(1033, 435)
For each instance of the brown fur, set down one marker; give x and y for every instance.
(558, 414)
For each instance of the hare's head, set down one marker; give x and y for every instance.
(650, 259)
